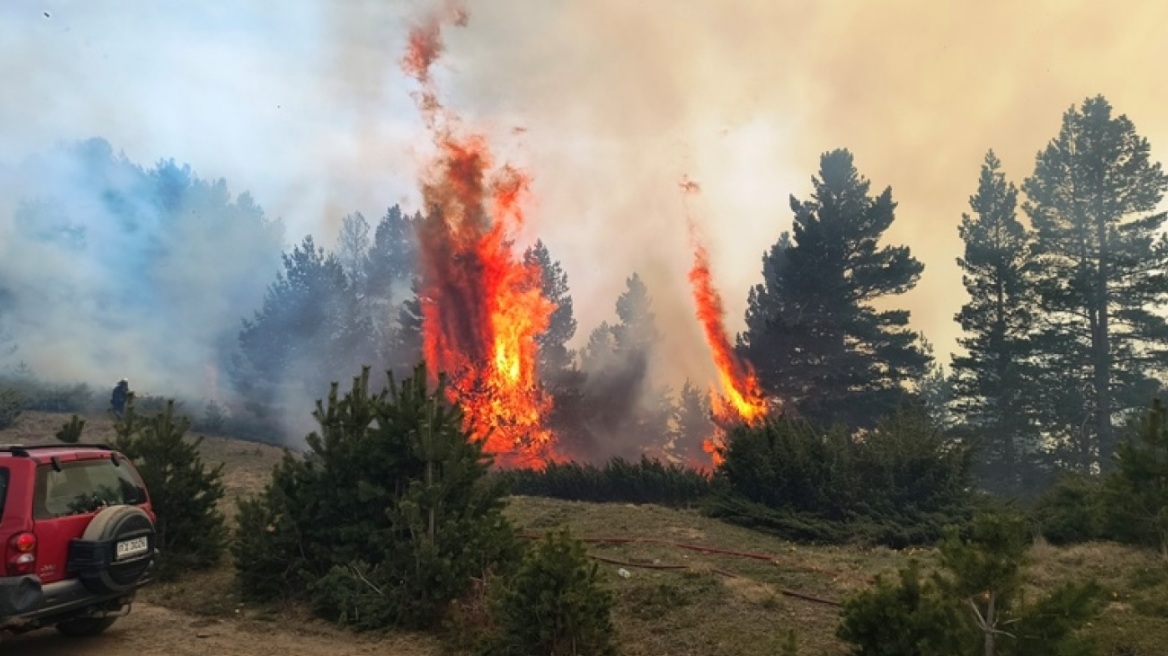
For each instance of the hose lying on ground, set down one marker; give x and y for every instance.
(698, 548)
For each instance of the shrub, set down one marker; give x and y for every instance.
(70, 432)
(647, 481)
(387, 521)
(554, 604)
(972, 605)
(12, 403)
(51, 397)
(213, 420)
(185, 494)
(1071, 510)
(1136, 493)
(898, 484)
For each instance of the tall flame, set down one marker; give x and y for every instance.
(740, 399)
(482, 307)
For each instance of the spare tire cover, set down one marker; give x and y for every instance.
(115, 524)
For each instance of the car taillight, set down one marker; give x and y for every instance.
(22, 554)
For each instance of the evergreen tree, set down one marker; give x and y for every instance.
(554, 355)
(1136, 493)
(185, 494)
(558, 585)
(406, 339)
(309, 325)
(352, 246)
(991, 380)
(600, 351)
(693, 423)
(389, 290)
(1092, 201)
(390, 518)
(637, 330)
(974, 606)
(813, 331)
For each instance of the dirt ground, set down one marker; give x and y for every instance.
(156, 631)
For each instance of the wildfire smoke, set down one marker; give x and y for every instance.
(482, 306)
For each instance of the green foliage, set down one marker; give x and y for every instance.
(812, 324)
(311, 322)
(973, 605)
(904, 619)
(12, 403)
(1136, 494)
(993, 377)
(387, 521)
(554, 604)
(185, 494)
(1094, 202)
(70, 432)
(647, 481)
(150, 404)
(1071, 510)
(554, 355)
(213, 420)
(51, 397)
(899, 484)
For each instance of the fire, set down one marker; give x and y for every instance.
(740, 398)
(482, 307)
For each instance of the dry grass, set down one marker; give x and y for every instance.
(712, 603)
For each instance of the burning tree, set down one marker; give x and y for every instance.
(482, 305)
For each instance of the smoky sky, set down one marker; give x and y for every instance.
(606, 103)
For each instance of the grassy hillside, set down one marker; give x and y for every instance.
(695, 585)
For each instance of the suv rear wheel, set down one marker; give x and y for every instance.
(97, 556)
(85, 627)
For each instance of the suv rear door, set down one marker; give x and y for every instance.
(68, 493)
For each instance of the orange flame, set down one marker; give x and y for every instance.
(740, 398)
(482, 307)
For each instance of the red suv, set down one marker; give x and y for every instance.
(76, 535)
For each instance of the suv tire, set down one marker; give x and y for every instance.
(85, 627)
(95, 554)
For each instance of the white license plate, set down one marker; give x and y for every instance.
(131, 548)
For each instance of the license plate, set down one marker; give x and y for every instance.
(131, 548)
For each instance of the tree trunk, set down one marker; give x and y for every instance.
(1102, 347)
(989, 627)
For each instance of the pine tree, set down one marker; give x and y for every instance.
(352, 246)
(405, 343)
(1136, 493)
(388, 291)
(973, 606)
(992, 379)
(693, 423)
(391, 517)
(813, 331)
(1092, 201)
(637, 330)
(557, 585)
(554, 355)
(310, 325)
(184, 493)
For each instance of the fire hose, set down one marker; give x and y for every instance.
(701, 549)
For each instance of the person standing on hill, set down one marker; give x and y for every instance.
(120, 396)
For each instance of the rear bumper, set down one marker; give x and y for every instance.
(24, 602)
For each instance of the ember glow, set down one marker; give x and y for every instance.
(482, 307)
(739, 399)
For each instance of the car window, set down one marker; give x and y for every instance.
(3, 489)
(85, 486)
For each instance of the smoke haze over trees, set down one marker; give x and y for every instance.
(110, 268)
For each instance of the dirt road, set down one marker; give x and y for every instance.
(156, 631)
